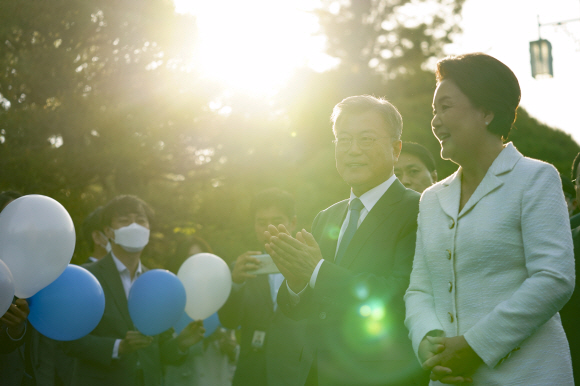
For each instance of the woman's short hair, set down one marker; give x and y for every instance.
(488, 84)
(361, 104)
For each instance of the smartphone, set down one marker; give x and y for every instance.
(267, 266)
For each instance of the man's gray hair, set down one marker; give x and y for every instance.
(361, 104)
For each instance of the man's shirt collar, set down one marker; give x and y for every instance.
(370, 198)
(122, 268)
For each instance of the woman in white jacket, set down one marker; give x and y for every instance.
(494, 260)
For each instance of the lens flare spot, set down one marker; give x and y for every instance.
(361, 291)
(333, 233)
(375, 327)
(365, 311)
(378, 313)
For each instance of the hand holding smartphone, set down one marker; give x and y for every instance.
(267, 266)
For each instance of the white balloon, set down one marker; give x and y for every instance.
(37, 241)
(6, 288)
(207, 281)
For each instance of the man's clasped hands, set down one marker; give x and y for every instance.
(450, 360)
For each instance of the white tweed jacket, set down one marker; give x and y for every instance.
(498, 271)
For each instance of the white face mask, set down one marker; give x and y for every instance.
(132, 238)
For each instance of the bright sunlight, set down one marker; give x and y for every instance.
(255, 45)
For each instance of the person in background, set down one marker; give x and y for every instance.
(575, 220)
(115, 353)
(15, 331)
(569, 194)
(211, 362)
(494, 258)
(7, 196)
(271, 343)
(95, 239)
(416, 167)
(186, 247)
(570, 313)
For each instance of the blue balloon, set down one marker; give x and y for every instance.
(183, 321)
(156, 301)
(70, 307)
(211, 323)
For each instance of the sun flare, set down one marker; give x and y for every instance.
(255, 45)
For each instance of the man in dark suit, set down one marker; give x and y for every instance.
(271, 343)
(114, 353)
(349, 276)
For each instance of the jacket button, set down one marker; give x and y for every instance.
(448, 254)
(322, 315)
(451, 319)
(450, 286)
(451, 224)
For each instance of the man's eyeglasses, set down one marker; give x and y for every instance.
(364, 143)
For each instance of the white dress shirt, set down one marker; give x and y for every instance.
(369, 200)
(127, 282)
(275, 280)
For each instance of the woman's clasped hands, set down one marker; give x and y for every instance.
(450, 360)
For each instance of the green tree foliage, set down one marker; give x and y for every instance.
(394, 37)
(97, 100)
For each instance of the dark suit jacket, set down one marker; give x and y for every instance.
(94, 364)
(571, 313)
(13, 357)
(575, 221)
(277, 364)
(356, 311)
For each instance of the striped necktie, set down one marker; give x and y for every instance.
(355, 207)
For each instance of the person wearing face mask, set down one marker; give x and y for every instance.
(92, 232)
(115, 353)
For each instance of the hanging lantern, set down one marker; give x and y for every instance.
(541, 59)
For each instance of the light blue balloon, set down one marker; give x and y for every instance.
(70, 307)
(211, 323)
(156, 301)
